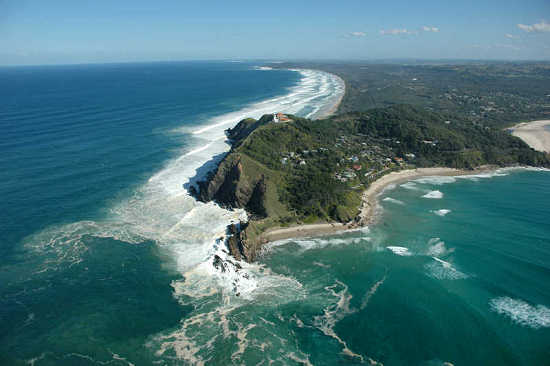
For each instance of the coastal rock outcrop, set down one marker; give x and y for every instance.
(245, 127)
(231, 188)
(237, 244)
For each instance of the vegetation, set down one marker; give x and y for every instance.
(310, 171)
(496, 94)
(392, 117)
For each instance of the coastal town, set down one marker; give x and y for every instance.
(359, 162)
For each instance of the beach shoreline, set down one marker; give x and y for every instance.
(337, 101)
(367, 215)
(535, 134)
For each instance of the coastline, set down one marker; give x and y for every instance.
(367, 214)
(337, 101)
(535, 134)
(370, 195)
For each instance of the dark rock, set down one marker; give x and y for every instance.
(236, 242)
(218, 263)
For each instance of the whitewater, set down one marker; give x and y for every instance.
(192, 233)
(106, 258)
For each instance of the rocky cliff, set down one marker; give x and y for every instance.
(238, 183)
(232, 188)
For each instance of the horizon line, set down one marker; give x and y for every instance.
(297, 60)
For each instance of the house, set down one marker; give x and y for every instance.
(280, 117)
(356, 167)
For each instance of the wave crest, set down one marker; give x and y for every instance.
(522, 313)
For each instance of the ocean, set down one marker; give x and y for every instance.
(105, 258)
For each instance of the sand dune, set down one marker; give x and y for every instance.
(536, 134)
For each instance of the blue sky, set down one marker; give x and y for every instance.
(61, 32)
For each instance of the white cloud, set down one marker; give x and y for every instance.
(430, 29)
(511, 36)
(537, 27)
(358, 34)
(395, 31)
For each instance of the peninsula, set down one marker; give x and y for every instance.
(295, 176)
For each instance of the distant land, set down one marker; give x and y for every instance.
(290, 172)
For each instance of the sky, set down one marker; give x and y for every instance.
(35, 32)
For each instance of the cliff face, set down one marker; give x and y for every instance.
(230, 187)
(241, 182)
(238, 245)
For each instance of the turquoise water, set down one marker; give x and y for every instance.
(466, 280)
(105, 258)
(97, 229)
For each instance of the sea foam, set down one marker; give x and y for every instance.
(437, 248)
(410, 186)
(433, 195)
(441, 212)
(402, 251)
(393, 200)
(193, 235)
(162, 210)
(436, 180)
(443, 270)
(522, 313)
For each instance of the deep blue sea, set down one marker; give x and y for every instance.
(105, 258)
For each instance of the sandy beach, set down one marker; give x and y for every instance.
(325, 113)
(536, 134)
(368, 206)
(302, 231)
(370, 201)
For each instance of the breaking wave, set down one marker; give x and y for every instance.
(162, 209)
(410, 186)
(437, 248)
(443, 270)
(194, 233)
(314, 243)
(440, 180)
(433, 195)
(393, 200)
(436, 180)
(402, 251)
(522, 313)
(442, 212)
